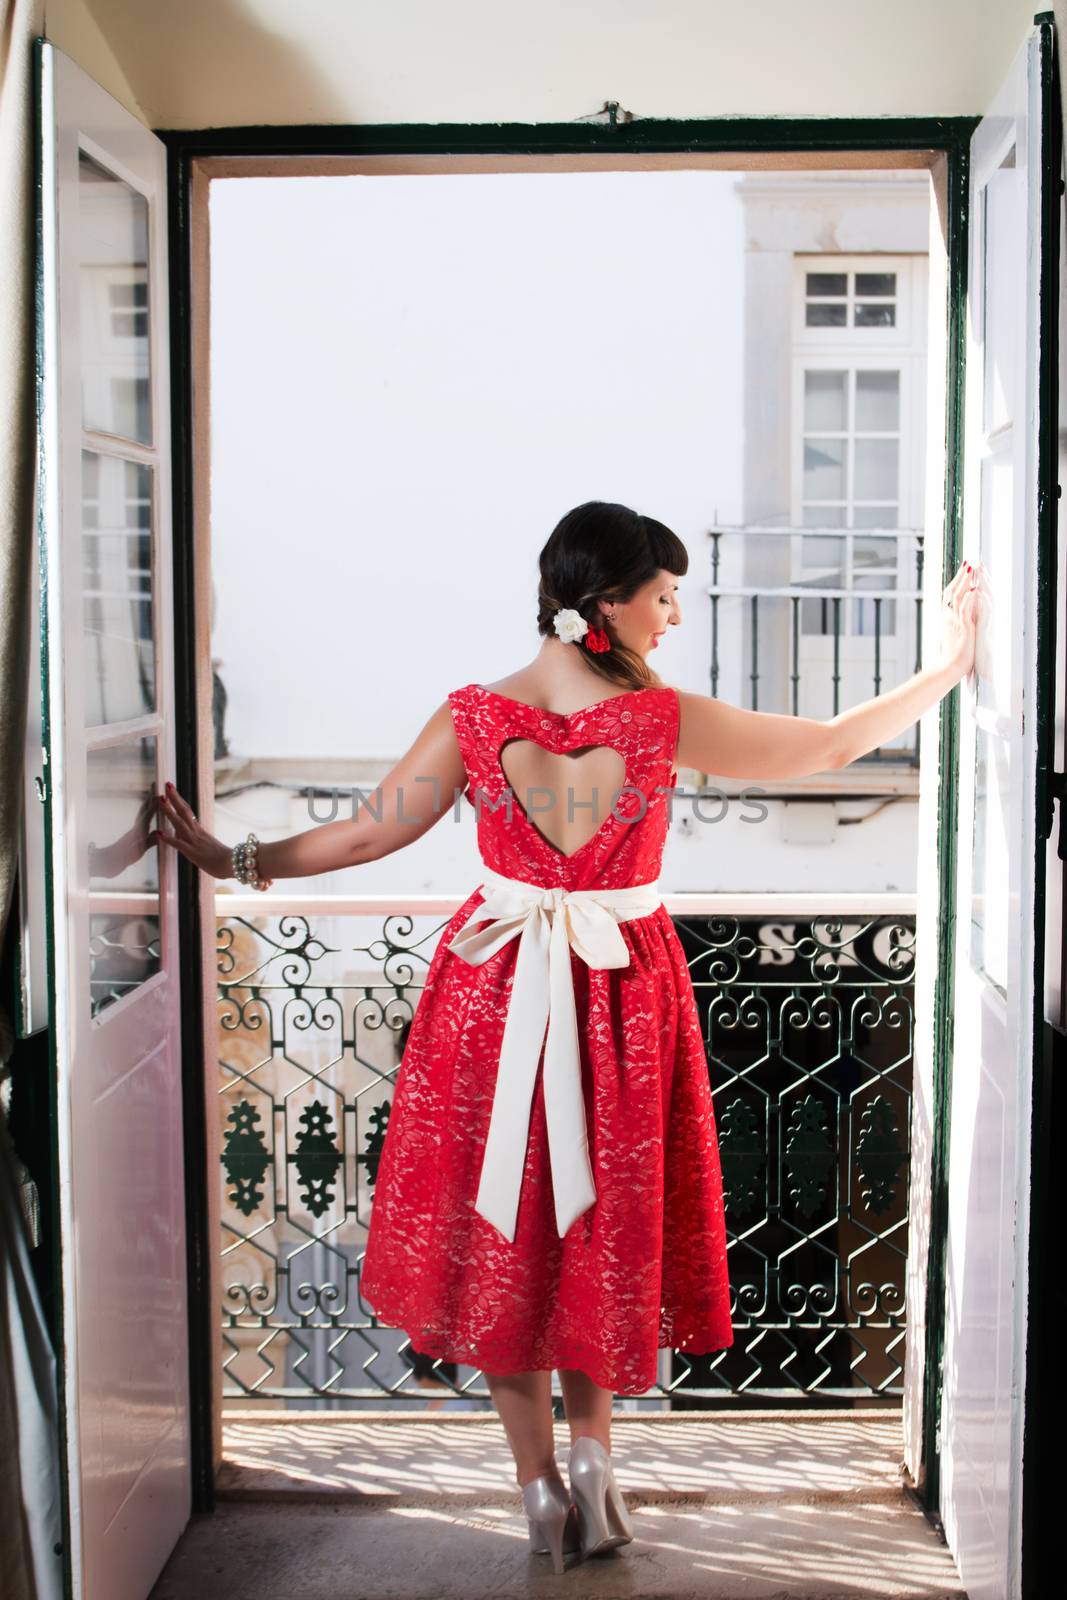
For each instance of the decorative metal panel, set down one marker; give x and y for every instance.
(809, 1034)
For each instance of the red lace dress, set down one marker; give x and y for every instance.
(645, 1265)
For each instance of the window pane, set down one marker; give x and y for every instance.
(124, 947)
(824, 516)
(874, 556)
(113, 242)
(873, 618)
(824, 469)
(826, 283)
(874, 567)
(876, 469)
(822, 562)
(825, 402)
(129, 309)
(1003, 214)
(877, 402)
(826, 314)
(886, 516)
(995, 774)
(875, 283)
(875, 316)
(989, 925)
(822, 566)
(118, 672)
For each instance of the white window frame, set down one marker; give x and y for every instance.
(897, 348)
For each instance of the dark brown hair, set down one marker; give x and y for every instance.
(604, 551)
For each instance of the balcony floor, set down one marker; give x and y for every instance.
(392, 1508)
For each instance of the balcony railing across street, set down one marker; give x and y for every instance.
(786, 638)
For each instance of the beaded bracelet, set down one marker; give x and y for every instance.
(246, 864)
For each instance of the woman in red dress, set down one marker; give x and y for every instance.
(548, 1194)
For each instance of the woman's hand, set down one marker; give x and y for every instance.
(960, 610)
(189, 838)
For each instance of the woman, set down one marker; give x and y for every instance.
(555, 1202)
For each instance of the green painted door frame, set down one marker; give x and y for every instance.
(646, 136)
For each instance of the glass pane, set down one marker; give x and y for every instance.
(119, 671)
(992, 817)
(825, 402)
(873, 617)
(874, 567)
(824, 516)
(124, 946)
(826, 283)
(874, 563)
(875, 316)
(877, 402)
(824, 617)
(822, 562)
(994, 774)
(113, 243)
(884, 283)
(885, 516)
(822, 566)
(129, 309)
(1003, 215)
(824, 469)
(824, 314)
(876, 469)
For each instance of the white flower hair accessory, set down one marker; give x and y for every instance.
(570, 625)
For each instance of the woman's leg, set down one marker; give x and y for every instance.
(587, 1405)
(524, 1403)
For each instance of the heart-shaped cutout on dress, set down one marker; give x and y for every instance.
(547, 784)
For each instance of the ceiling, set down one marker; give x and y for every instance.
(206, 63)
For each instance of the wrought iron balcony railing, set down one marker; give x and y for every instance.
(806, 1004)
(814, 646)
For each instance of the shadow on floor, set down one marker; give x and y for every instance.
(403, 1507)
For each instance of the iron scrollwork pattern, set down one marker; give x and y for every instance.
(808, 1027)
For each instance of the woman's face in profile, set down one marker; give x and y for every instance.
(642, 621)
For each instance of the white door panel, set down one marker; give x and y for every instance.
(992, 1053)
(108, 672)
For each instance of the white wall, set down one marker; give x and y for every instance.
(73, 28)
(413, 378)
(213, 63)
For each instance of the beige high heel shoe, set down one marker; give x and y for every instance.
(552, 1518)
(603, 1520)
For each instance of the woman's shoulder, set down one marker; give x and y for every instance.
(541, 695)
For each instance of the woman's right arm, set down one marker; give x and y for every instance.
(733, 743)
(414, 795)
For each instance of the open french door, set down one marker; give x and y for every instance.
(998, 941)
(108, 741)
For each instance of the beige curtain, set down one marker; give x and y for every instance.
(30, 1525)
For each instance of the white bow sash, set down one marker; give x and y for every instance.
(548, 924)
